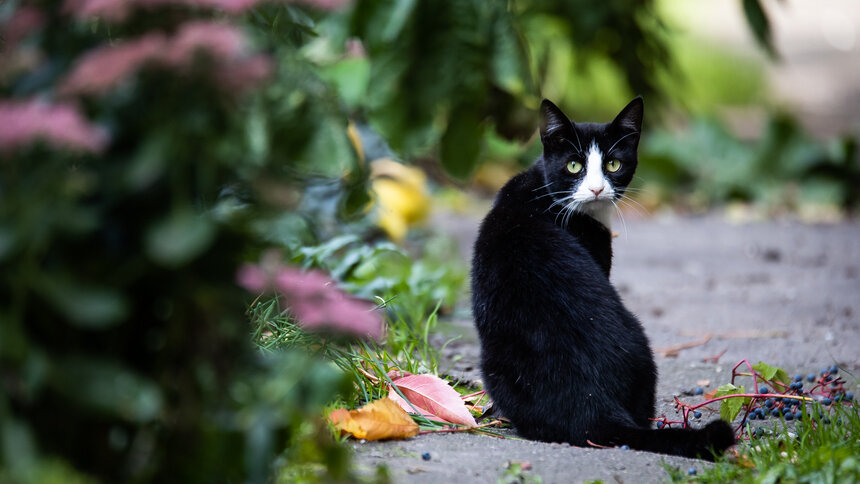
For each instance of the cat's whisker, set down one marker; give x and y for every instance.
(540, 188)
(635, 205)
(577, 139)
(579, 150)
(559, 202)
(621, 216)
(549, 194)
(639, 210)
(609, 151)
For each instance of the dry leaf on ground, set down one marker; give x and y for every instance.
(433, 397)
(380, 419)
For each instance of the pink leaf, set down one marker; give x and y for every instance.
(432, 396)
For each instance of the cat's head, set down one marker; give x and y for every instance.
(588, 166)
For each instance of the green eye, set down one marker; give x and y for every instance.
(574, 167)
(612, 166)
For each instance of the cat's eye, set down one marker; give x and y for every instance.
(574, 167)
(612, 166)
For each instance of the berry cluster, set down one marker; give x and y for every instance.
(776, 397)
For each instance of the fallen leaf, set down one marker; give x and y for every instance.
(380, 419)
(711, 394)
(432, 396)
(703, 383)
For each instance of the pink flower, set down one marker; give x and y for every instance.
(60, 125)
(220, 41)
(110, 10)
(229, 6)
(105, 67)
(119, 10)
(233, 68)
(313, 298)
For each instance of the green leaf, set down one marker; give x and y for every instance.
(179, 238)
(86, 306)
(7, 241)
(508, 61)
(760, 25)
(731, 407)
(461, 143)
(771, 373)
(106, 386)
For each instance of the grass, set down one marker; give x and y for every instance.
(810, 451)
(407, 347)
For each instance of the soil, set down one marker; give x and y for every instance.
(782, 292)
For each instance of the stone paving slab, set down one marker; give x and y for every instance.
(782, 292)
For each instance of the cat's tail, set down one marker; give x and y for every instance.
(704, 443)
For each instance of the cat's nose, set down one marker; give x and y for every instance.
(596, 191)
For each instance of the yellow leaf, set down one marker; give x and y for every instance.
(381, 419)
(401, 195)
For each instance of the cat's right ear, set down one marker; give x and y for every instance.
(553, 121)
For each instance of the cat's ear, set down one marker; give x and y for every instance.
(552, 120)
(630, 118)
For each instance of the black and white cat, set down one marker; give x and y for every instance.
(561, 356)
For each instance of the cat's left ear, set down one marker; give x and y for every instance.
(630, 118)
(553, 120)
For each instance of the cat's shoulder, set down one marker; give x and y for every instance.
(521, 190)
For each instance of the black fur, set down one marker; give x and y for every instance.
(561, 356)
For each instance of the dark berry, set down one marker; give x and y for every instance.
(659, 425)
(425, 456)
(775, 412)
(811, 377)
(697, 414)
(826, 420)
(691, 471)
(826, 401)
(827, 378)
(834, 384)
(759, 432)
(798, 415)
(625, 447)
(768, 403)
(753, 415)
(798, 377)
(762, 389)
(789, 416)
(834, 370)
(849, 396)
(699, 391)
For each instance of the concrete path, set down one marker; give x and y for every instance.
(781, 292)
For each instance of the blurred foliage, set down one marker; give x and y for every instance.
(125, 352)
(782, 168)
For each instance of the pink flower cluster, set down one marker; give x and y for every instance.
(313, 298)
(119, 10)
(60, 125)
(233, 68)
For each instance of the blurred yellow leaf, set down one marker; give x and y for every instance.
(355, 139)
(401, 196)
(380, 419)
